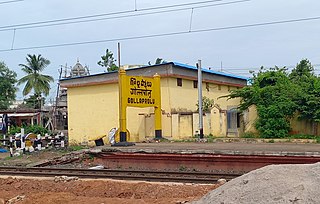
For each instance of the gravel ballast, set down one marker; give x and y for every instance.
(291, 183)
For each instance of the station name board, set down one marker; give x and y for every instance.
(140, 91)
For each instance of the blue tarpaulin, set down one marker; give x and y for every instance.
(3, 150)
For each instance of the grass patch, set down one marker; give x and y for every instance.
(302, 136)
(77, 148)
(164, 140)
(185, 140)
(289, 138)
(249, 135)
(13, 158)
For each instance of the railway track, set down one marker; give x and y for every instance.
(159, 176)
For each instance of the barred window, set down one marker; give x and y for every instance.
(179, 82)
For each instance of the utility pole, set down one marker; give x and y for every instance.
(122, 107)
(119, 63)
(122, 111)
(200, 99)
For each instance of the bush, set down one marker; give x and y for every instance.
(36, 129)
(14, 130)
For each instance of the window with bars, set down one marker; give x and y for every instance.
(179, 82)
(195, 84)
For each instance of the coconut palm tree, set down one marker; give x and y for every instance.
(33, 79)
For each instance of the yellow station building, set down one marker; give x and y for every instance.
(93, 104)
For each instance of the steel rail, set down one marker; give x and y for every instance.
(143, 175)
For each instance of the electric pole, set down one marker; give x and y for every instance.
(200, 99)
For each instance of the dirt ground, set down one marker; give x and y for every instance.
(39, 190)
(32, 191)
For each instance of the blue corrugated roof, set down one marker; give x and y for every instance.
(208, 71)
(175, 64)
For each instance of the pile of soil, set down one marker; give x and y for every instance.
(294, 184)
(74, 191)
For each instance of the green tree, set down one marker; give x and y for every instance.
(34, 80)
(207, 104)
(108, 61)
(274, 95)
(158, 61)
(309, 92)
(34, 101)
(303, 71)
(7, 86)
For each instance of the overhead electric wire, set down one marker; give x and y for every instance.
(107, 14)
(7, 2)
(167, 34)
(250, 68)
(52, 22)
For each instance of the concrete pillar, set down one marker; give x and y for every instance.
(175, 126)
(195, 123)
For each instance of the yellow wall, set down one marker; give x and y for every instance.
(249, 118)
(297, 126)
(185, 98)
(93, 111)
(304, 127)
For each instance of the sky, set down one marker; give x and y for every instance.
(199, 23)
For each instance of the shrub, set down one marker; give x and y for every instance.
(14, 130)
(36, 129)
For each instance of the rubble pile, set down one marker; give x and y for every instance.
(292, 183)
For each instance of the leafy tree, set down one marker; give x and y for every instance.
(274, 95)
(303, 71)
(207, 104)
(158, 61)
(33, 79)
(309, 92)
(7, 86)
(34, 101)
(108, 61)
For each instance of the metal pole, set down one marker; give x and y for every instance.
(200, 99)
(119, 64)
(122, 108)
(122, 78)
